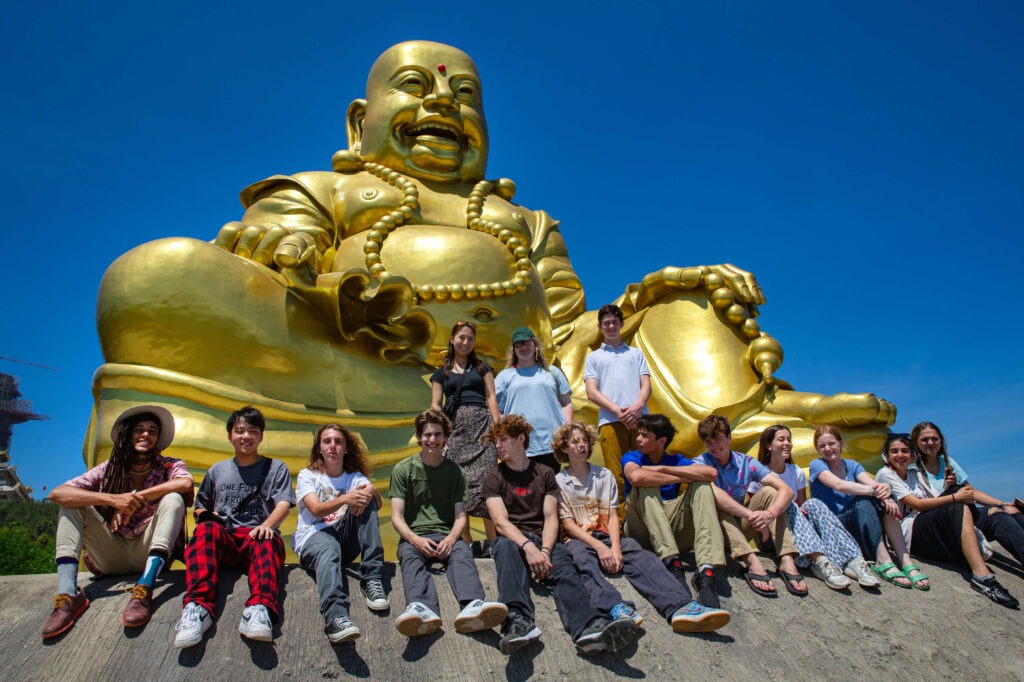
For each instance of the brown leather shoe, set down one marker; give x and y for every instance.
(139, 608)
(66, 609)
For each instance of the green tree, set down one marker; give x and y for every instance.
(22, 552)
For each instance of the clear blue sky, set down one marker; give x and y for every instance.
(864, 160)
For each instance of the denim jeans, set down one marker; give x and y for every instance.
(327, 551)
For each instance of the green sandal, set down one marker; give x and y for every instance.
(889, 572)
(916, 580)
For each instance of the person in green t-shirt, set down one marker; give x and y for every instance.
(428, 510)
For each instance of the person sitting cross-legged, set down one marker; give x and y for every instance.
(522, 499)
(590, 522)
(670, 506)
(428, 510)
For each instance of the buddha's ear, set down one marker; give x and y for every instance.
(354, 123)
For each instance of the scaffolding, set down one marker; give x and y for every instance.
(13, 410)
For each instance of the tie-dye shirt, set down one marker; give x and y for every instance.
(737, 474)
(588, 502)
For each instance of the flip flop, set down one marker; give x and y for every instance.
(889, 572)
(915, 580)
(789, 578)
(760, 577)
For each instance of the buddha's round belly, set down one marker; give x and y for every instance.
(475, 262)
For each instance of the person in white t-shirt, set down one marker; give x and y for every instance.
(337, 522)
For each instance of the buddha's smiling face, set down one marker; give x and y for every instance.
(423, 114)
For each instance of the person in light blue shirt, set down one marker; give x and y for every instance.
(540, 393)
(863, 505)
(763, 516)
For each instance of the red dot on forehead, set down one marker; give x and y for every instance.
(441, 68)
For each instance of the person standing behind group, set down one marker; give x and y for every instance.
(463, 388)
(823, 542)
(618, 381)
(428, 494)
(338, 522)
(997, 520)
(239, 506)
(936, 527)
(540, 393)
(863, 505)
(126, 512)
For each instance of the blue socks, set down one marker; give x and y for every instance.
(154, 564)
(67, 576)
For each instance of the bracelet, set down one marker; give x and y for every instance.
(546, 549)
(525, 543)
(952, 499)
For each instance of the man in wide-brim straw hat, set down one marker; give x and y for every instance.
(127, 513)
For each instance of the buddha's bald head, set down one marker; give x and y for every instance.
(423, 113)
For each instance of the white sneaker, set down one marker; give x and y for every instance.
(480, 615)
(825, 571)
(858, 569)
(194, 621)
(255, 624)
(417, 620)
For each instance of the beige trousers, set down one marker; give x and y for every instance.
(688, 522)
(738, 532)
(616, 440)
(111, 552)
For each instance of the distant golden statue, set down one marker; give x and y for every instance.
(334, 295)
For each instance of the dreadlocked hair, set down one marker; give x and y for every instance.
(116, 477)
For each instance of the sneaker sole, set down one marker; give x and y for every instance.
(519, 642)
(416, 627)
(71, 622)
(346, 635)
(377, 606)
(489, 618)
(708, 622)
(620, 634)
(258, 636)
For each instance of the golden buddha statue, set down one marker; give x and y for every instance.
(333, 296)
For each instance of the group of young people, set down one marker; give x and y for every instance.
(508, 450)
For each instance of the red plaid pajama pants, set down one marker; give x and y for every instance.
(213, 546)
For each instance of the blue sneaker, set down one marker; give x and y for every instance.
(623, 610)
(693, 617)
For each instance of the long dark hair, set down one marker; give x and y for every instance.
(116, 477)
(471, 360)
(764, 448)
(355, 458)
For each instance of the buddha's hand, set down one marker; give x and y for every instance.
(295, 252)
(725, 284)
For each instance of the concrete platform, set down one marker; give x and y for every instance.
(949, 632)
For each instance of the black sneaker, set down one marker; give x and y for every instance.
(517, 631)
(991, 588)
(704, 585)
(675, 567)
(606, 635)
(376, 597)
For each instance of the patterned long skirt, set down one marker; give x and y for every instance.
(817, 529)
(464, 448)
